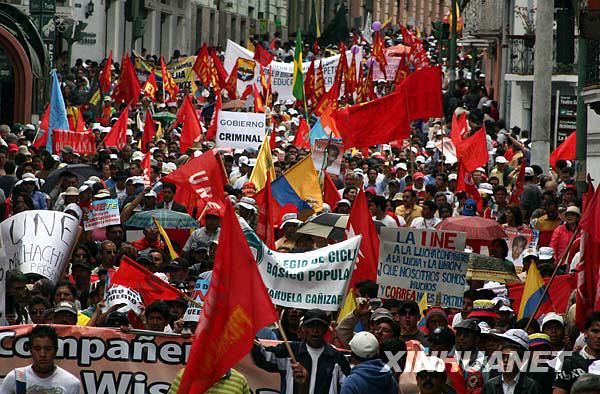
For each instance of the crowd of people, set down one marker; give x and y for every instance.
(409, 184)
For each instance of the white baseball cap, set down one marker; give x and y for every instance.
(516, 336)
(364, 345)
(552, 317)
(501, 160)
(546, 253)
(289, 218)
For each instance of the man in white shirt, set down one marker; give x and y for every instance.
(427, 218)
(42, 376)
(377, 205)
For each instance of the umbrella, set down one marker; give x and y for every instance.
(476, 227)
(83, 172)
(489, 268)
(326, 225)
(164, 116)
(166, 217)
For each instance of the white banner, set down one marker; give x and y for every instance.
(240, 130)
(282, 72)
(393, 62)
(39, 242)
(315, 279)
(118, 294)
(414, 261)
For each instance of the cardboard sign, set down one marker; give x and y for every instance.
(103, 213)
(240, 130)
(518, 241)
(193, 311)
(82, 142)
(39, 242)
(118, 294)
(414, 261)
(282, 72)
(327, 155)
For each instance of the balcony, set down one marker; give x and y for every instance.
(592, 78)
(522, 51)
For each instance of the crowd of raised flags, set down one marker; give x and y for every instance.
(416, 151)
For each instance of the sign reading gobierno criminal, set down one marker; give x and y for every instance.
(39, 242)
(414, 261)
(240, 130)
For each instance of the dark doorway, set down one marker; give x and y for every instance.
(7, 90)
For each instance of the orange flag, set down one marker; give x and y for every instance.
(231, 83)
(117, 137)
(80, 126)
(302, 137)
(191, 129)
(342, 64)
(230, 319)
(150, 86)
(202, 66)
(149, 131)
(167, 79)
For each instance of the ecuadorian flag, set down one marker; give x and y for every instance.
(299, 186)
(532, 292)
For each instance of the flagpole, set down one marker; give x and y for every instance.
(546, 287)
(285, 341)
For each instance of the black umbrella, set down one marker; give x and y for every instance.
(83, 172)
(326, 225)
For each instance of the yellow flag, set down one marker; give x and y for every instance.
(249, 45)
(349, 306)
(163, 233)
(159, 131)
(264, 164)
(423, 304)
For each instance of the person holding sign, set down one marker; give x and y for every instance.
(43, 375)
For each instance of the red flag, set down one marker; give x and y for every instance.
(302, 137)
(167, 79)
(473, 150)
(258, 104)
(558, 294)
(361, 90)
(219, 73)
(319, 83)
(589, 219)
(565, 151)
(378, 52)
(150, 86)
(262, 56)
(137, 277)
(342, 66)
(331, 195)
(466, 184)
(247, 92)
(230, 319)
(369, 86)
(202, 66)
(315, 47)
(328, 99)
(202, 177)
(105, 76)
(268, 212)
(146, 168)
(149, 131)
(361, 222)
(231, 83)
(402, 71)
(42, 138)
(117, 137)
(191, 129)
(128, 86)
(350, 78)
(309, 83)
(211, 133)
(459, 128)
(269, 94)
(272, 139)
(80, 126)
(519, 184)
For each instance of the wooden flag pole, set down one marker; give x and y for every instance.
(286, 342)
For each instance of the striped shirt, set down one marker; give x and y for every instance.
(232, 382)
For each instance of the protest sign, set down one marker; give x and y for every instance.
(118, 294)
(181, 71)
(315, 279)
(518, 241)
(334, 150)
(193, 311)
(414, 261)
(39, 242)
(103, 213)
(393, 62)
(249, 70)
(240, 130)
(82, 142)
(109, 361)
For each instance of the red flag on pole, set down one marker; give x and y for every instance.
(302, 137)
(350, 78)
(459, 128)
(361, 222)
(402, 71)
(231, 83)
(319, 82)
(519, 184)
(149, 131)
(230, 319)
(167, 79)
(262, 56)
(342, 66)
(247, 92)
(128, 86)
(331, 195)
(191, 129)
(466, 184)
(473, 150)
(105, 75)
(211, 133)
(150, 86)
(117, 136)
(309, 83)
(42, 138)
(258, 103)
(202, 66)
(137, 277)
(218, 71)
(378, 52)
(80, 126)
(565, 151)
(268, 212)
(146, 169)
